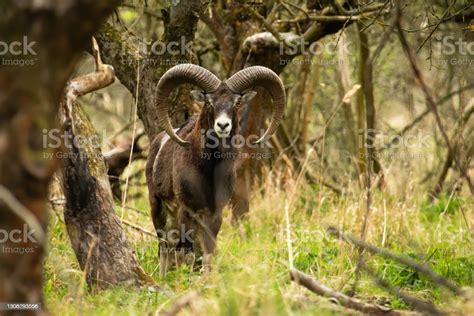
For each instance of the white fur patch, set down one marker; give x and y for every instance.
(223, 125)
(164, 140)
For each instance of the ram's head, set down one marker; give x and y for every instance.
(222, 99)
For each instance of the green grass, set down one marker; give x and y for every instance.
(250, 274)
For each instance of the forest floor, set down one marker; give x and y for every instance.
(251, 269)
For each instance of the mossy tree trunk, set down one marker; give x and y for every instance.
(57, 34)
(93, 226)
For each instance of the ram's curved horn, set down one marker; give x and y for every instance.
(184, 73)
(266, 78)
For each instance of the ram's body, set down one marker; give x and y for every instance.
(190, 179)
(193, 181)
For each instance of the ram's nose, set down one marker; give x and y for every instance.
(223, 125)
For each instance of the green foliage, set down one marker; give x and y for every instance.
(250, 275)
(443, 205)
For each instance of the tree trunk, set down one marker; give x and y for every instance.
(362, 155)
(94, 228)
(55, 35)
(344, 85)
(180, 24)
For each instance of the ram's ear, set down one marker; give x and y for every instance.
(198, 95)
(248, 96)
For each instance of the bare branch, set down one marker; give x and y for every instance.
(433, 276)
(422, 306)
(431, 102)
(22, 212)
(138, 227)
(346, 301)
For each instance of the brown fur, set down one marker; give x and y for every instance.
(187, 189)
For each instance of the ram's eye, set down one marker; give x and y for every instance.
(209, 103)
(237, 101)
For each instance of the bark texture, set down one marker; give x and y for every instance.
(31, 85)
(94, 228)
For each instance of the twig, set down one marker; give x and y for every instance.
(267, 25)
(288, 236)
(420, 117)
(346, 301)
(137, 227)
(180, 303)
(296, 7)
(436, 27)
(379, 12)
(24, 213)
(324, 18)
(134, 131)
(433, 276)
(431, 102)
(422, 306)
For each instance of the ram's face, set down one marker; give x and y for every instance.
(223, 107)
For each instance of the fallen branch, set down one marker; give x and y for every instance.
(346, 301)
(419, 305)
(433, 276)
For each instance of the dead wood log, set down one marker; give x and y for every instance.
(346, 301)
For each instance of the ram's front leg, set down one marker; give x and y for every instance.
(184, 237)
(164, 254)
(208, 240)
(158, 214)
